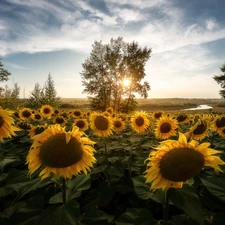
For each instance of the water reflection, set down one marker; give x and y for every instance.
(200, 107)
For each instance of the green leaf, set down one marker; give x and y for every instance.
(136, 216)
(142, 189)
(67, 214)
(92, 215)
(218, 218)
(186, 199)
(77, 185)
(7, 161)
(215, 185)
(183, 219)
(19, 182)
(106, 192)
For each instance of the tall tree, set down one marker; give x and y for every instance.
(36, 97)
(106, 68)
(4, 76)
(220, 79)
(49, 93)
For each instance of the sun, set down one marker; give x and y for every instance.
(126, 82)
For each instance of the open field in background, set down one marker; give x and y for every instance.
(156, 104)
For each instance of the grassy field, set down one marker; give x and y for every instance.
(156, 104)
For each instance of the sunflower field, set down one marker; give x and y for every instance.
(74, 167)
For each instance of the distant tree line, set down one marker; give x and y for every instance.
(9, 96)
(46, 95)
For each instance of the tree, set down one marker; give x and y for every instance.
(220, 79)
(106, 68)
(11, 97)
(4, 76)
(49, 93)
(36, 97)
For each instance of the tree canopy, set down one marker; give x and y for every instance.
(220, 79)
(106, 69)
(4, 74)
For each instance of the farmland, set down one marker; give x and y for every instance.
(156, 104)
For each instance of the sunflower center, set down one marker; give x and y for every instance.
(38, 130)
(60, 120)
(26, 113)
(200, 129)
(117, 124)
(56, 153)
(101, 123)
(158, 115)
(181, 164)
(46, 111)
(77, 113)
(1, 121)
(165, 127)
(220, 122)
(37, 116)
(139, 121)
(80, 124)
(181, 118)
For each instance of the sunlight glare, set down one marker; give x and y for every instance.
(126, 82)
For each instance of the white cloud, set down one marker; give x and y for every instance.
(211, 24)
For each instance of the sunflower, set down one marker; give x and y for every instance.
(175, 162)
(37, 117)
(16, 115)
(82, 124)
(109, 110)
(218, 123)
(140, 122)
(46, 111)
(76, 114)
(7, 128)
(100, 124)
(221, 132)
(157, 115)
(182, 118)
(65, 154)
(25, 114)
(165, 127)
(199, 130)
(35, 130)
(24, 125)
(118, 124)
(59, 120)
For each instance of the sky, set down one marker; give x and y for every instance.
(187, 38)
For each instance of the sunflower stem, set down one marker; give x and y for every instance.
(130, 156)
(106, 153)
(64, 190)
(212, 139)
(166, 207)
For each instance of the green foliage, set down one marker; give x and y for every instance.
(36, 95)
(114, 192)
(46, 95)
(11, 97)
(4, 74)
(106, 68)
(220, 79)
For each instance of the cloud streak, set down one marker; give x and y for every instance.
(45, 26)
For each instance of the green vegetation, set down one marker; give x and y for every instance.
(220, 79)
(113, 73)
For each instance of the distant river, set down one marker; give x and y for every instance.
(200, 107)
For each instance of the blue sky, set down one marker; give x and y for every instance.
(187, 38)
